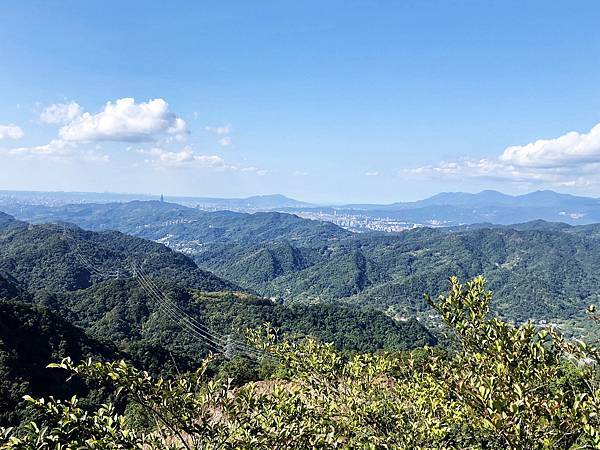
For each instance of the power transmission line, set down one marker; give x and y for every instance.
(215, 342)
(222, 340)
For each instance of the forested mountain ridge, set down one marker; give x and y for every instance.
(80, 309)
(156, 220)
(31, 337)
(8, 221)
(56, 257)
(534, 273)
(52, 264)
(65, 289)
(123, 312)
(9, 287)
(538, 270)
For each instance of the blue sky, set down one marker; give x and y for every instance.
(328, 101)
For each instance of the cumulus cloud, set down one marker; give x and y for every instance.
(570, 149)
(255, 170)
(224, 132)
(572, 159)
(125, 121)
(154, 151)
(57, 149)
(11, 131)
(187, 158)
(225, 141)
(60, 113)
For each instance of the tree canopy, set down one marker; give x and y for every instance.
(504, 387)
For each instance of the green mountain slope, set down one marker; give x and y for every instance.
(349, 328)
(170, 221)
(46, 257)
(9, 287)
(122, 311)
(64, 309)
(538, 270)
(534, 273)
(52, 266)
(31, 337)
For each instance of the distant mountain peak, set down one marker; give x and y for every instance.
(492, 193)
(490, 196)
(271, 196)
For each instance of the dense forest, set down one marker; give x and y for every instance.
(31, 337)
(76, 293)
(498, 387)
(537, 270)
(56, 258)
(314, 344)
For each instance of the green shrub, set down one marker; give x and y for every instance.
(504, 387)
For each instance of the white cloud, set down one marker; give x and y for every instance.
(255, 170)
(125, 121)
(371, 174)
(225, 141)
(11, 131)
(570, 160)
(187, 158)
(60, 113)
(154, 151)
(569, 149)
(57, 149)
(300, 173)
(223, 132)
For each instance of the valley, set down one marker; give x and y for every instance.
(538, 270)
(162, 286)
(123, 296)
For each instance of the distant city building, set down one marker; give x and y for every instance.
(162, 199)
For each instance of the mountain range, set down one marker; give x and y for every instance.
(539, 270)
(65, 291)
(67, 279)
(457, 208)
(444, 209)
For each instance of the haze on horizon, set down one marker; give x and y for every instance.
(336, 102)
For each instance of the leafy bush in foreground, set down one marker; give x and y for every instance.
(504, 387)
